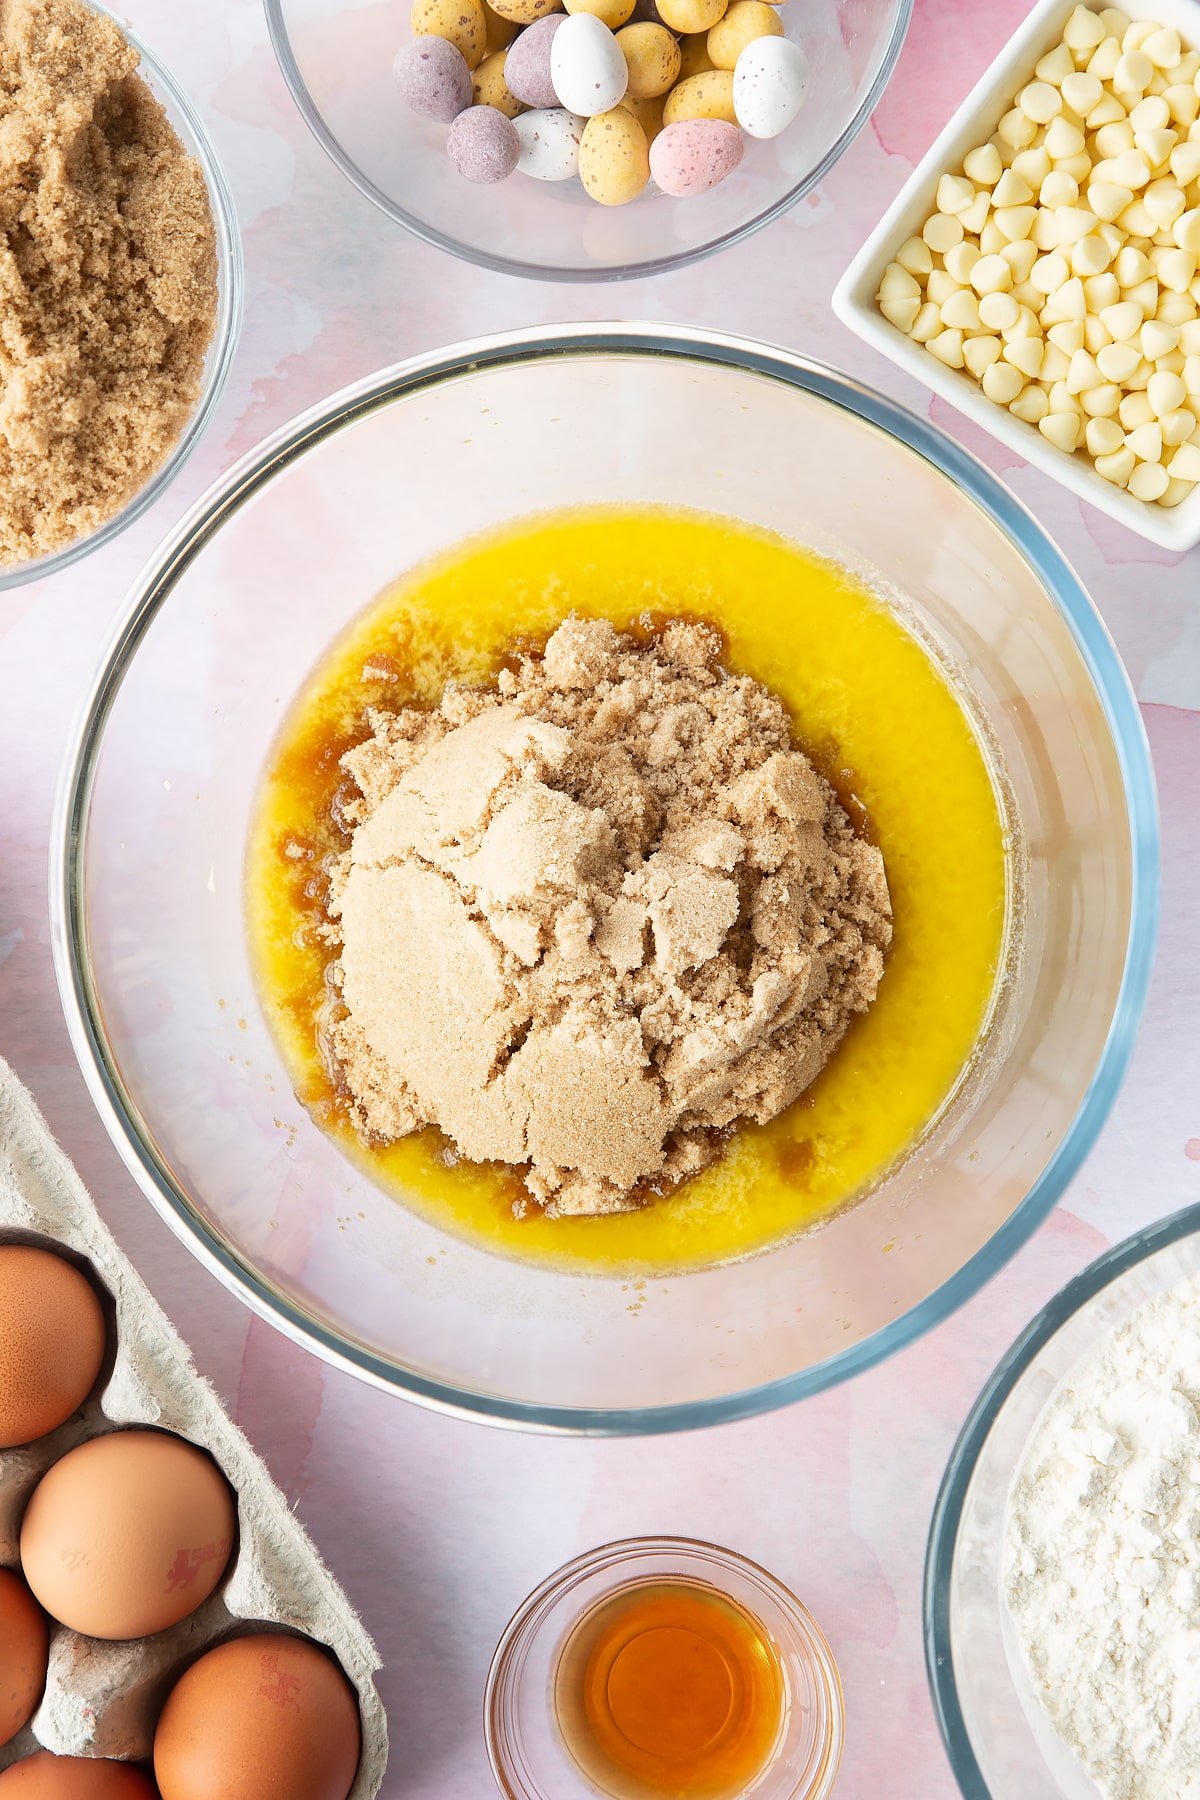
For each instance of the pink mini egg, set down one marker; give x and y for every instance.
(483, 145)
(527, 65)
(694, 155)
(434, 78)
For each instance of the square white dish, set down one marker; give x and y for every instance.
(1177, 528)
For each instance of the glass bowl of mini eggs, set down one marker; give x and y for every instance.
(654, 131)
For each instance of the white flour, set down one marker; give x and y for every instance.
(1102, 1555)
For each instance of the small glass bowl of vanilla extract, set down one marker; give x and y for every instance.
(657, 1668)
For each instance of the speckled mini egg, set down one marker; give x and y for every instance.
(460, 22)
(689, 16)
(614, 159)
(434, 78)
(651, 55)
(586, 66)
(24, 1648)
(695, 155)
(46, 1777)
(127, 1534)
(52, 1342)
(744, 23)
(705, 96)
(613, 13)
(489, 87)
(527, 65)
(769, 84)
(525, 12)
(693, 55)
(263, 1717)
(483, 145)
(549, 140)
(648, 113)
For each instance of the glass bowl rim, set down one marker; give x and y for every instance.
(622, 1552)
(540, 271)
(960, 1471)
(226, 332)
(563, 342)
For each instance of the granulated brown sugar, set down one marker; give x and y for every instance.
(108, 288)
(594, 915)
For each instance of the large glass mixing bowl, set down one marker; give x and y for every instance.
(337, 58)
(158, 790)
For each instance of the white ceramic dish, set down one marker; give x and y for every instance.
(1175, 528)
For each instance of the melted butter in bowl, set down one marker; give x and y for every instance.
(875, 713)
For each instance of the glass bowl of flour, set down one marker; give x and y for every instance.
(1062, 1590)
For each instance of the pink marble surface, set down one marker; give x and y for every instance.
(439, 1528)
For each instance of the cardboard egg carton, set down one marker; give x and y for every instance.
(103, 1699)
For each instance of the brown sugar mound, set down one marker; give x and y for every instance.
(108, 276)
(594, 915)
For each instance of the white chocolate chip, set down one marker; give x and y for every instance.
(1133, 73)
(961, 311)
(1185, 464)
(1158, 339)
(954, 194)
(999, 312)
(979, 353)
(927, 323)
(1134, 410)
(1002, 383)
(1124, 320)
(1163, 48)
(1178, 427)
(900, 312)
(1026, 354)
(1165, 392)
(991, 275)
(1061, 429)
(1083, 30)
(915, 255)
(983, 166)
(1103, 436)
(1117, 362)
(941, 232)
(1040, 102)
(1081, 92)
(960, 259)
(1177, 270)
(1030, 404)
(898, 284)
(1118, 467)
(947, 346)
(1148, 481)
(1147, 441)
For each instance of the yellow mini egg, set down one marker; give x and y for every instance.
(500, 32)
(652, 57)
(614, 158)
(648, 113)
(693, 55)
(489, 87)
(460, 22)
(705, 96)
(745, 21)
(525, 12)
(612, 13)
(688, 16)
(52, 1342)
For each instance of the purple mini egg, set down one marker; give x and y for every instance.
(483, 145)
(694, 155)
(527, 64)
(434, 78)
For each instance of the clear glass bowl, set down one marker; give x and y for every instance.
(222, 629)
(528, 1756)
(217, 363)
(999, 1740)
(337, 57)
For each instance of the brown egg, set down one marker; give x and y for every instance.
(128, 1534)
(259, 1718)
(52, 1341)
(24, 1647)
(46, 1777)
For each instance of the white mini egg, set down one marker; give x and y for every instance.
(587, 67)
(549, 139)
(770, 79)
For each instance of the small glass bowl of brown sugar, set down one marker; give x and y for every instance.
(116, 358)
(664, 1666)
